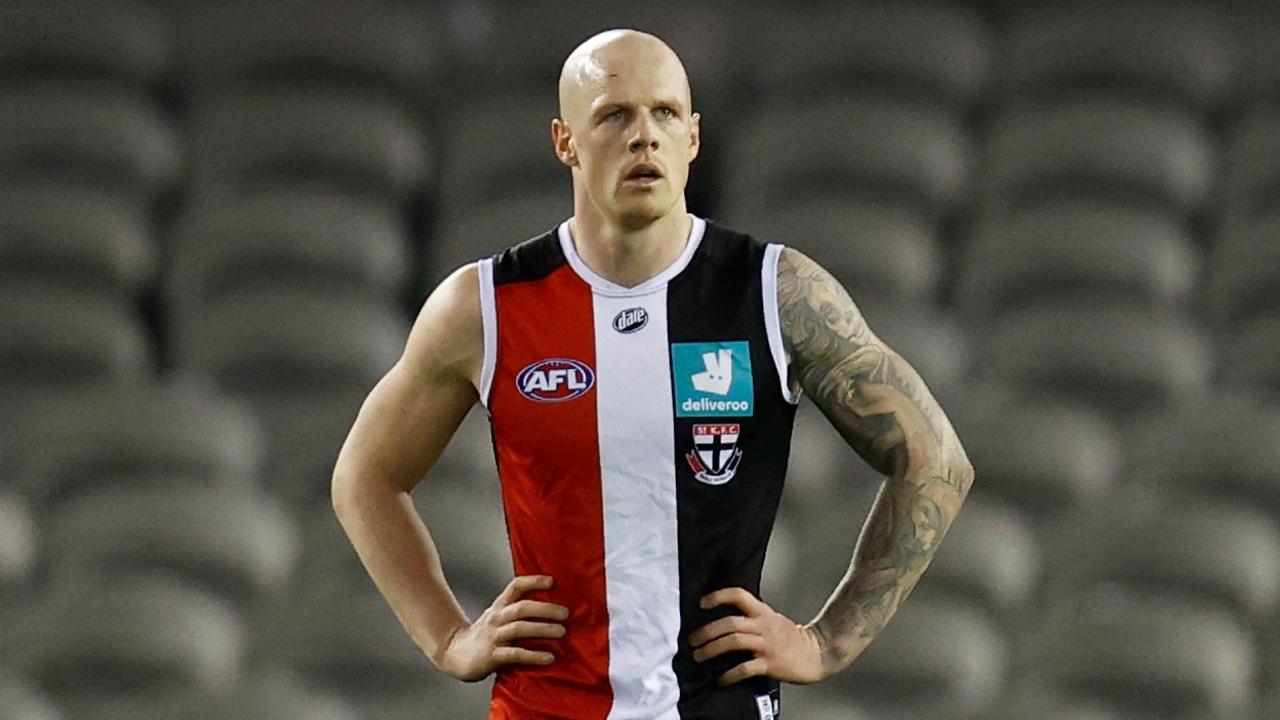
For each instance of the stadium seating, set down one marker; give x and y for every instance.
(1243, 281)
(18, 701)
(1252, 174)
(18, 542)
(1249, 354)
(125, 41)
(79, 237)
(1061, 251)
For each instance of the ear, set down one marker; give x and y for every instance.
(695, 135)
(562, 140)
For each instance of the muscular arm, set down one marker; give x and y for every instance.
(399, 434)
(882, 408)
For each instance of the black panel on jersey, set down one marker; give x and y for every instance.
(532, 259)
(724, 529)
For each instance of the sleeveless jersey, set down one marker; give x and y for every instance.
(641, 437)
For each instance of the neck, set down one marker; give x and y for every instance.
(629, 256)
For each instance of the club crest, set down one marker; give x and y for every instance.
(715, 455)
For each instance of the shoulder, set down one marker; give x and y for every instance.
(448, 334)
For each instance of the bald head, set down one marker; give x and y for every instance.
(614, 54)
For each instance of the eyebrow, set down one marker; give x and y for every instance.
(662, 102)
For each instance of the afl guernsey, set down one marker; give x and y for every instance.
(641, 437)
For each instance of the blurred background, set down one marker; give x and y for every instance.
(217, 221)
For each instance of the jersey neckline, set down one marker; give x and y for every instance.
(605, 286)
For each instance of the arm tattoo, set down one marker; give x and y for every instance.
(882, 408)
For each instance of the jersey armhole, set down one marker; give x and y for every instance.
(489, 316)
(773, 323)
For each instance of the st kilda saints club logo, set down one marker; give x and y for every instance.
(555, 380)
(715, 455)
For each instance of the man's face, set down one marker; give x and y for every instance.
(632, 137)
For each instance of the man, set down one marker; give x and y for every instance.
(640, 367)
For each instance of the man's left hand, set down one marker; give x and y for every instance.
(783, 650)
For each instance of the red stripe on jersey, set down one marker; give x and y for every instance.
(554, 510)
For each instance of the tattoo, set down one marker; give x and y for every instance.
(882, 408)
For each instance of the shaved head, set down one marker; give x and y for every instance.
(608, 55)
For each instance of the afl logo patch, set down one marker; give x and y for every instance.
(555, 380)
(630, 320)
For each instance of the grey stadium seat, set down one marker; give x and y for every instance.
(1031, 700)
(1182, 53)
(304, 359)
(877, 250)
(124, 40)
(1249, 352)
(1098, 149)
(931, 52)
(480, 229)
(390, 46)
(1170, 657)
(270, 696)
(932, 339)
(55, 338)
(19, 701)
(1221, 552)
(114, 140)
(173, 434)
(446, 698)
(1039, 454)
(1260, 72)
(238, 544)
(78, 236)
(328, 240)
(864, 149)
(1244, 279)
(935, 654)
(246, 140)
(466, 519)
(1252, 177)
(1094, 250)
(1226, 446)
(134, 634)
(1121, 359)
(990, 555)
(18, 541)
(498, 148)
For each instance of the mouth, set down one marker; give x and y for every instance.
(642, 174)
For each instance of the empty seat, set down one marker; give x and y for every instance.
(393, 46)
(865, 149)
(1098, 149)
(467, 522)
(881, 251)
(1040, 454)
(1252, 178)
(499, 148)
(1225, 445)
(55, 338)
(125, 40)
(304, 359)
(247, 140)
(1182, 53)
(1260, 71)
(1034, 701)
(1244, 280)
(18, 701)
(77, 236)
(1164, 547)
(134, 634)
(1166, 657)
(18, 539)
(114, 140)
(326, 240)
(272, 696)
(444, 696)
(931, 52)
(933, 654)
(1249, 352)
(477, 230)
(990, 555)
(175, 434)
(1061, 251)
(1121, 359)
(238, 544)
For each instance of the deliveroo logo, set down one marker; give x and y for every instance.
(712, 378)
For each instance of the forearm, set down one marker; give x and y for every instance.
(398, 553)
(911, 514)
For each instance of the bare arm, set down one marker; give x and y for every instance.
(882, 408)
(399, 434)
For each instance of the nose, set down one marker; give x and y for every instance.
(645, 137)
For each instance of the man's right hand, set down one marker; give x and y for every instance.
(475, 651)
